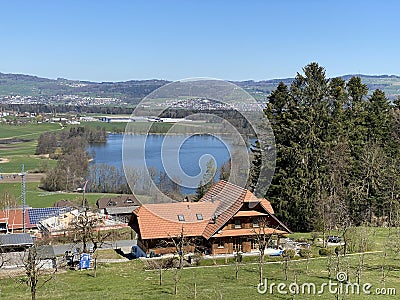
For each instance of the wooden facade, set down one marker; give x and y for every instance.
(235, 230)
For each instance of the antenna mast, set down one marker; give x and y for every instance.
(23, 196)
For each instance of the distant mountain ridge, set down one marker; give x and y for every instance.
(133, 91)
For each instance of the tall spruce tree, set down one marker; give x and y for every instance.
(336, 151)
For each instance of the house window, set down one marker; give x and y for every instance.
(181, 218)
(254, 245)
(238, 224)
(221, 244)
(199, 217)
(255, 223)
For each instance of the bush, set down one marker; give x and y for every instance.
(238, 257)
(302, 240)
(339, 250)
(197, 258)
(289, 253)
(325, 252)
(305, 253)
(314, 236)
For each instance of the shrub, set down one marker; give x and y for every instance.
(339, 250)
(325, 252)
(314, 236)
(238, 257)
(305, 253)
(289, 253)
(197, 258)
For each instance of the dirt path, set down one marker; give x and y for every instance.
(4, 160)
(14, 177)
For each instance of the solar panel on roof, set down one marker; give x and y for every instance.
(38, 214)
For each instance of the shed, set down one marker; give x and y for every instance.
(15, 241)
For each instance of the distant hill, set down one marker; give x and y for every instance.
(390, 84)
(131, 92)
(32, 86)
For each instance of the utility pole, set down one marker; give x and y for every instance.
(83, 196)
(23, 196)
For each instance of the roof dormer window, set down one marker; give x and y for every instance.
(199, 217)
(181, 218)
(111, 203)
(238, 224)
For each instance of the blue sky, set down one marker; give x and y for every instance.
(233, 40)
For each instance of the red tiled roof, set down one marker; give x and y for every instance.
(14, 218)
(218, 205)
(157, 220)
(267, 206)
(231, 199)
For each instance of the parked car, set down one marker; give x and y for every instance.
(334, 239)
(137, 252)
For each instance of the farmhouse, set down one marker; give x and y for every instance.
(224, 221)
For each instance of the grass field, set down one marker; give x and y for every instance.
(23, 152)
(36, 197)
(129, 280)
(28, 131)
(109, 127)
(31, 163)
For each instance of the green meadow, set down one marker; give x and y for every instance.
(22, 150)
(36, 197)
(26, 131)
(130, 280)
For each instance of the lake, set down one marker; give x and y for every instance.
(188, 150)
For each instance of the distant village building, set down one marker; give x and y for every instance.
(11, 220)
(65, 203)
(118, 208)
(224, 221)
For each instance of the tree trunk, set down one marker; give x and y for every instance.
(176, 282)
(261, 266)
(160, 273)
(95, 267)
(33, 291)
(237, 271)
(195, 284)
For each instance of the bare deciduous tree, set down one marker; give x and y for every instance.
(34, 266)
(262, 237)
(84, 228)
(182, 244)
(7, 200)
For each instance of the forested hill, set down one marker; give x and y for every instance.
(62, 91)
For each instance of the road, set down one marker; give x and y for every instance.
(124, 245)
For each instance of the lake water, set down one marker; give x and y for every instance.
(189, 150)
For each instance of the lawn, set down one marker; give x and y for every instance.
(28, 131)
(22, 152)
(31, 163)
(129, 280)
(35, 197)
(115, 127)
